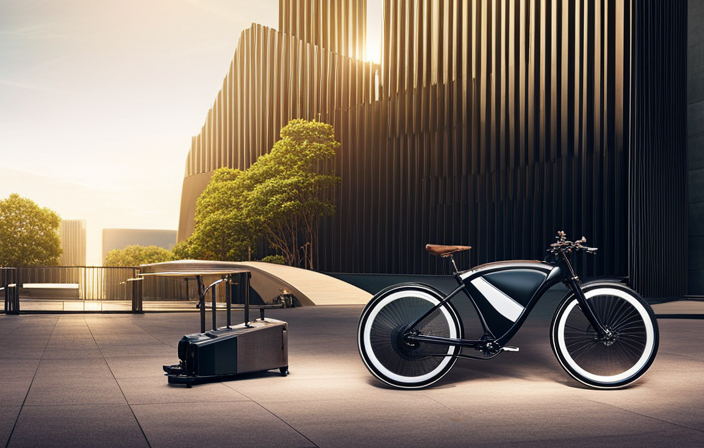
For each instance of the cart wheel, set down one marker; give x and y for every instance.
(284, 370)
(189, 385)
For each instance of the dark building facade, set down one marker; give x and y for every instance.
(487, 123)
(695, 144)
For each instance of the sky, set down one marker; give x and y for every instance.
(99, 100)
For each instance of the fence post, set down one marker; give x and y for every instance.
(16, 307)
(136, 294)
(13, 302)
(12, 299)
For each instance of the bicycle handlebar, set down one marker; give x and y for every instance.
(563, 245)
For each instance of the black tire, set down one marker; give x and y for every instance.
(611, 363)
(380, 342)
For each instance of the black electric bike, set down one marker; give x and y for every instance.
(603, 333)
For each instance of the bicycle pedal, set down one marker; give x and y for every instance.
(509, 349)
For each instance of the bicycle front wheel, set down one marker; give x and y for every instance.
(605, 363)
(380, 337)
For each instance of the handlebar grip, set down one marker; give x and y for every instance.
(592, 250)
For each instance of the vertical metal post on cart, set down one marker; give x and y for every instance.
(214, 306)
(245, 285)
(201, 302)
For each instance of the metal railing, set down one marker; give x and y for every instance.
(94, 282)
(93, 288)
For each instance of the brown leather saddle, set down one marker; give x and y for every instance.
(445, 251)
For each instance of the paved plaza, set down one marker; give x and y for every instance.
(82, 380)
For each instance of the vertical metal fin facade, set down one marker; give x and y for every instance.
(339, 26)
(491, 123)
(658, 204)
(274, 78)
(511, 117)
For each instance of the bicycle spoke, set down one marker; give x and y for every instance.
(604, 357)
(576, 355)
(395, 355)
(625, 317)
(575, 328)
(628, 356)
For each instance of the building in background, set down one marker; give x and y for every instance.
(311, 68)
(490, 124)
(121, 238)
(73, 242)
(695, 144)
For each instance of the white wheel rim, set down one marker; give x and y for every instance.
(367, 338)
(649, 331)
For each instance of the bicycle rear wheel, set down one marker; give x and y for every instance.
(605, 363)
(380, 337)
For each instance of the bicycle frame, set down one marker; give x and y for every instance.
(500, 314)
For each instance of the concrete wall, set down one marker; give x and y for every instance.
(695, 144)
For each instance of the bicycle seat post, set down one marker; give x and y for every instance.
(454, 265)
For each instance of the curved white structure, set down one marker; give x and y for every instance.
(309, 287)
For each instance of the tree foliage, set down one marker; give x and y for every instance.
(289, 189)
(275, 259)
(135, 255)
(281, 196)
(224, 232)
(29, 234)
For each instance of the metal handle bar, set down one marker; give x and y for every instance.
(563, 245)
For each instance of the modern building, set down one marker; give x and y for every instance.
(73, 242)
(121, 238)
(276, 76)
(695, 144)
(490, 124)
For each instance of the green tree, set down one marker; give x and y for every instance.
(134, 255)
(275, 259)
(29, 234)
(289, 189)
(222, 231)
(281, 196)
(182, 250)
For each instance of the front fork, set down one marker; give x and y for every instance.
(572, 282)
